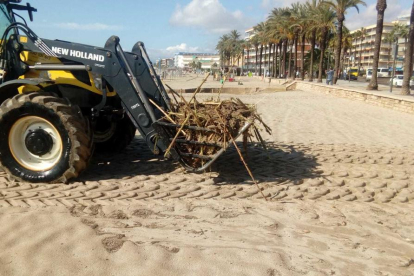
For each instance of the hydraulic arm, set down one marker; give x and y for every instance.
(130, 74)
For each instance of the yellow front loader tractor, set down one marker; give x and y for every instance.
(60, 101)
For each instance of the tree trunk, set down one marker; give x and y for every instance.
(295, 62)
(290, 60)
(270, 54)
(275, 47)
(341, 65)
(303, 57)
(255, 67)
(313, 39)
(242, 62)
(350, 54)
(265, 61)
(247, 60)
(283, 63)
(412, 64)
(281, 58)
(408, 57)
(359, 59)
(338, 48)
(260, 63)
(381, 6)
(323, 44)
(389, 56)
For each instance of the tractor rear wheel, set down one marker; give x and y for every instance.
(43, 139)
(113, 137)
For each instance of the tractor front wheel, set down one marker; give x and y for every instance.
(43, 139)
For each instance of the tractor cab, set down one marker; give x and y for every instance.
(8, 15)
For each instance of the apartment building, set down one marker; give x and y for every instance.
(362, 52)
(207, 60)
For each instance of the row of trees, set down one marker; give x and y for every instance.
(319, 22)
(316, 21)
(231, 48)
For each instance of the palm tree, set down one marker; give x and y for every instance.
(341, 6)
(402, 31)
(278, 28)
(408, 64)
(235, 47)
(230, 47)
(275, 49)
(324, 18)
(331, 47)
(381, 6)
(255, 42)
(346, 44)
(300, 24)
(389, 39)
(311, 6)
(273, 39)
(260, 30)
(285, 25)
(296, 29)
(246, 46)
(361, 34)
(222, 48)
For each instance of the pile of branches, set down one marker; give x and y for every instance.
(214, 123)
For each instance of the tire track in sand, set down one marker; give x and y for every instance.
(286, 173)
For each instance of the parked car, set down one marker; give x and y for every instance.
(353, 77)
(353, 72)
(369, 75)
(382, 72)
(398, 81)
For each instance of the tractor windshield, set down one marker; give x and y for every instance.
(5, 19)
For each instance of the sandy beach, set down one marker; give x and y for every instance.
(338, 176)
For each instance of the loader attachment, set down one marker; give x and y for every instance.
(193, 160)
(147, 85)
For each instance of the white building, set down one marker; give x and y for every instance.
(182, 60)
(365, 46)
(167, 62)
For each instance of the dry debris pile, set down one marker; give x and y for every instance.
(212, 124)
(203, 129)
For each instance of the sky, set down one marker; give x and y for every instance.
(170, 26)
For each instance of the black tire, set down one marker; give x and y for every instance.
(120, 136)
(67, 121)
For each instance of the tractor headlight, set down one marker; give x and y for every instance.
(97, 80)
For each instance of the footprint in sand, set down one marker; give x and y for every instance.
(114, 243)
(143, 213)
(227, 214)
(118, 214)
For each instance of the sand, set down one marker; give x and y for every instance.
(338, 174)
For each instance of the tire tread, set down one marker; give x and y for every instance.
(73, 121)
